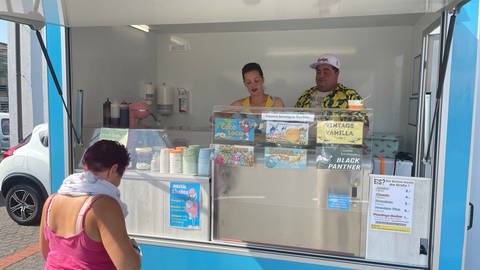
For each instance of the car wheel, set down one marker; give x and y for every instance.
(24, 204)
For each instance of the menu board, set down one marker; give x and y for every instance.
(185, 205)
(391, 203)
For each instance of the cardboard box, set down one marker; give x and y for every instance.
(383, 145)
(402, 167)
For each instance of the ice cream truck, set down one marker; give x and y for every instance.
(390, 183)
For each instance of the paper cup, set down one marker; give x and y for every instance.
(356, 104)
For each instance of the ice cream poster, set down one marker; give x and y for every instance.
(185, 205)
(234, 129)
(340, 132)
(285, 158)
(233, 155)
(287, 133)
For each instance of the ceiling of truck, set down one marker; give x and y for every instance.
(83, 13)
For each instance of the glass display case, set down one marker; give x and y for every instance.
(292, 179)
(165, 199)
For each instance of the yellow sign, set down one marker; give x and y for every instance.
(391, 228)
(340, 132)
(114, 134)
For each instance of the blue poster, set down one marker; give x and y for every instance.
(338, 201)
(235, 129)
(185, 205)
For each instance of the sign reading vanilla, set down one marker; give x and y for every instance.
(340, 132)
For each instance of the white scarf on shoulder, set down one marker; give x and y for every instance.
(86, 183)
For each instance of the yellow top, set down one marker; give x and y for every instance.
(268, 102)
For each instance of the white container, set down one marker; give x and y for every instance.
(165, 99)
(165, 160)
(149, 93)
(144, 158)
(155, 163)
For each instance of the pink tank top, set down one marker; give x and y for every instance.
(78, 251)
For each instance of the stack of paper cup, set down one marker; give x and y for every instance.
(190, 157)
(164, 160)
(204, 162)
(175, 161)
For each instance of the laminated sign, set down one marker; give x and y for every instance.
(287, 133)
(233, 155)
(345, 157)
(391, 203)
(285, 158)
(185, 205)
(235, 129)
(340, 132)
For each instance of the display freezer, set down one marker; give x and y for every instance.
(315, 209)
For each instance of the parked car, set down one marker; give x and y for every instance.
(25, 177)
(4, 131)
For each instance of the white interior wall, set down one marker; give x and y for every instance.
(110, 62)
(375, 61)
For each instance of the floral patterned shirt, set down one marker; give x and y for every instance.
(337, 99)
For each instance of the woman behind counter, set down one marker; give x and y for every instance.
(253, 80)
(83, 225)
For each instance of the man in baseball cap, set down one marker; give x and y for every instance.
(328, 92)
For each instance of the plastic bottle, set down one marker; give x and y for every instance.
(107, 119)
(124, 115)
(149, 93)
(115, 114)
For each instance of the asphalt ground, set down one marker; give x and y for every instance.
(18, 244)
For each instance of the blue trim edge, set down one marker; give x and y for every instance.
(457, 155)
(159, 257)
(55, 109)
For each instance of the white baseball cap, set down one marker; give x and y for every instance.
(327, 59)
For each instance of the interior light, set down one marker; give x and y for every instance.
(143, 27)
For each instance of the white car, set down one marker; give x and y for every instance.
(4, 131)
(25, 177)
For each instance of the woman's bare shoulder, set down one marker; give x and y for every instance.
(105, 203)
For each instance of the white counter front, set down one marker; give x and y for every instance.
(167, 205)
